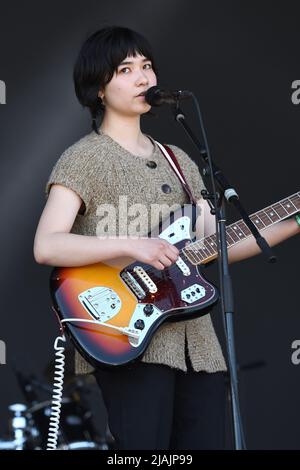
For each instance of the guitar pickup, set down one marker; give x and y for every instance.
(151, 286)
(133, 284)
(183, 266)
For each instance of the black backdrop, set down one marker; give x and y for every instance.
(240, 59)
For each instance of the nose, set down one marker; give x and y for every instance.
(142, 78)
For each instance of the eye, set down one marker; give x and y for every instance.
(150, 65)
(125, 68)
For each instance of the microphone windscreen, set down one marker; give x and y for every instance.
(152, 96)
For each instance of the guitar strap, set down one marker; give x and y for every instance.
(169, 155)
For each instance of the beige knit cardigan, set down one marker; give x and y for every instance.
(100, 170)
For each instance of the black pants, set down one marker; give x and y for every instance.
(153, 406)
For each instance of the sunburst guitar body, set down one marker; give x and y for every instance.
(111, 310)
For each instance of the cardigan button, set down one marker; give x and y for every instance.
(151, 164)
(166, 188)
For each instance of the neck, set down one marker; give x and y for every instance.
(205, 250)
(125, 130)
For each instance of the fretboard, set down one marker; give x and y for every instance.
(204, 250)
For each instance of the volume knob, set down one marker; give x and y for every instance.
(148, 310)
(139, 324)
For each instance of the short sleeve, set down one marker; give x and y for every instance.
(73, 170)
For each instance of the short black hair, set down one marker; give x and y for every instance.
(98, 60)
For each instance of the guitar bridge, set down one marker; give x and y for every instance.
(102, 303)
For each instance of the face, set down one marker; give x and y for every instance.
(133, 76)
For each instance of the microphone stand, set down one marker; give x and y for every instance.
(216, 200)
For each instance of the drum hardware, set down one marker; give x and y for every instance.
(28, 423)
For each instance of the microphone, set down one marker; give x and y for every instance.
(156, 96)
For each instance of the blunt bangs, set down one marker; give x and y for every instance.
(98, 60)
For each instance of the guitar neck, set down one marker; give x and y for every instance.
(205, 250)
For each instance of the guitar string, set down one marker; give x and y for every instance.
(194, 252)
(167, 270)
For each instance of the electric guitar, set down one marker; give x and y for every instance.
(112, 309)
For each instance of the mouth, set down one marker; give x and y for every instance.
(141, 94)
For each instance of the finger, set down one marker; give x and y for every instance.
(172, 255)
(159, 265)
(174, 249)
(165, 260)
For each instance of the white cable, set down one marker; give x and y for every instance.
(59, 371)
(124, 330)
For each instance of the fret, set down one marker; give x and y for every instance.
(192, 253)
(283, 207)
(232, 234)
(195, 254)
(231, 241)
(268, 217)
(290, 200)
(208, 247)
(280, 210)
(244, 231)
(199, 244)
(296, 198)
(203, 249)
(238, 231)
(257, 221)
(273, 214)
(287, 206)
(212, 243)
(198, 255)
(189, 255)
(203, 252)
(264, 218)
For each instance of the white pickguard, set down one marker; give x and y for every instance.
(177, 231)
(103, 303)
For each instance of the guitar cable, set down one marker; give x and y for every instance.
(59, 371)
